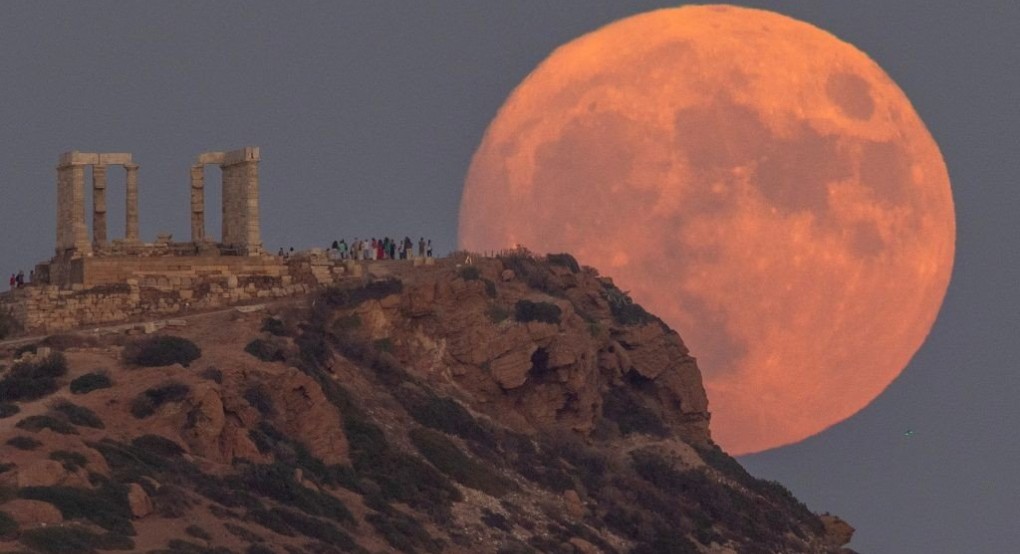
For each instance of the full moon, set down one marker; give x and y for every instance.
(761, 185)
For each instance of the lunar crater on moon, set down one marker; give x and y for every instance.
(770, 193)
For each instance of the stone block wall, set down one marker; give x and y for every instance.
(136, 289)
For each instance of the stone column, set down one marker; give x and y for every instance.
(252, 234)
(99, 205)
(131, 211)
(63, 209)
(79, 228)
(241, 201)
(197, 203)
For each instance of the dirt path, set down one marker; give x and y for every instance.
(124, 326)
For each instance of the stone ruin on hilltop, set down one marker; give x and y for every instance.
(95, 280)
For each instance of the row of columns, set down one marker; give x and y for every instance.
(72, 230)
(240, 198)
(240, 174)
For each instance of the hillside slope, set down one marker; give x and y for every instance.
(510, 405)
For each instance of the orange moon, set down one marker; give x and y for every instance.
(760, 184)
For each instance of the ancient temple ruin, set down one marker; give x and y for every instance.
(89, 261)
(95, 279)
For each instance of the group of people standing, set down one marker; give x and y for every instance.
(18, 280)
(381, 249)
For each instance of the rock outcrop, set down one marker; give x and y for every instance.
(515, 404)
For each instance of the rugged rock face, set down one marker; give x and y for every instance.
(507, 405)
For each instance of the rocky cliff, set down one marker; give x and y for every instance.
(503, 405)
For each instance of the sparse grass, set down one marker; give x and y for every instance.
(90, 382)
(212, 374)
(8, 409)
(146, 403)
(32, 380)
(78, 415)
(161, 350)
(70, 460)
(22, 442)
(470, 273)
(37, 423)
(66, 539)
(526, 311)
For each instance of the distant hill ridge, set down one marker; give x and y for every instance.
(507, 405)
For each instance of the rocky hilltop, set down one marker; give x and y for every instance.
(504, 405)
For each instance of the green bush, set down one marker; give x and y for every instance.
(7, 410)
(497, 313)
(265, 350)
(347, 298)
(79, 415)
(274, 326)
(33, 380)
(276, 481)
(8, 324)
(158, 446)
(526, 311)
(259, 397)
(446, 415)
(564, 260)
(22, 442)
(197, 532)
(70, 460)
(623, 407)
(161, 350)
(441, 452)
(470, 273)
(146, 403)
(7, 525)
(400, 476)
(490, 288)
(402, 531)
(72, 538)
(90, 382)
(625, 311)
(37, 423)
(290, 523)
(106, 506)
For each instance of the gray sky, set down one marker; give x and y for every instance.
(368, 114)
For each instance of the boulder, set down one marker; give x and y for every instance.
(138, 499)
(511, 369)
(32, 513)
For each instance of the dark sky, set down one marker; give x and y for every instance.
(368, 114)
